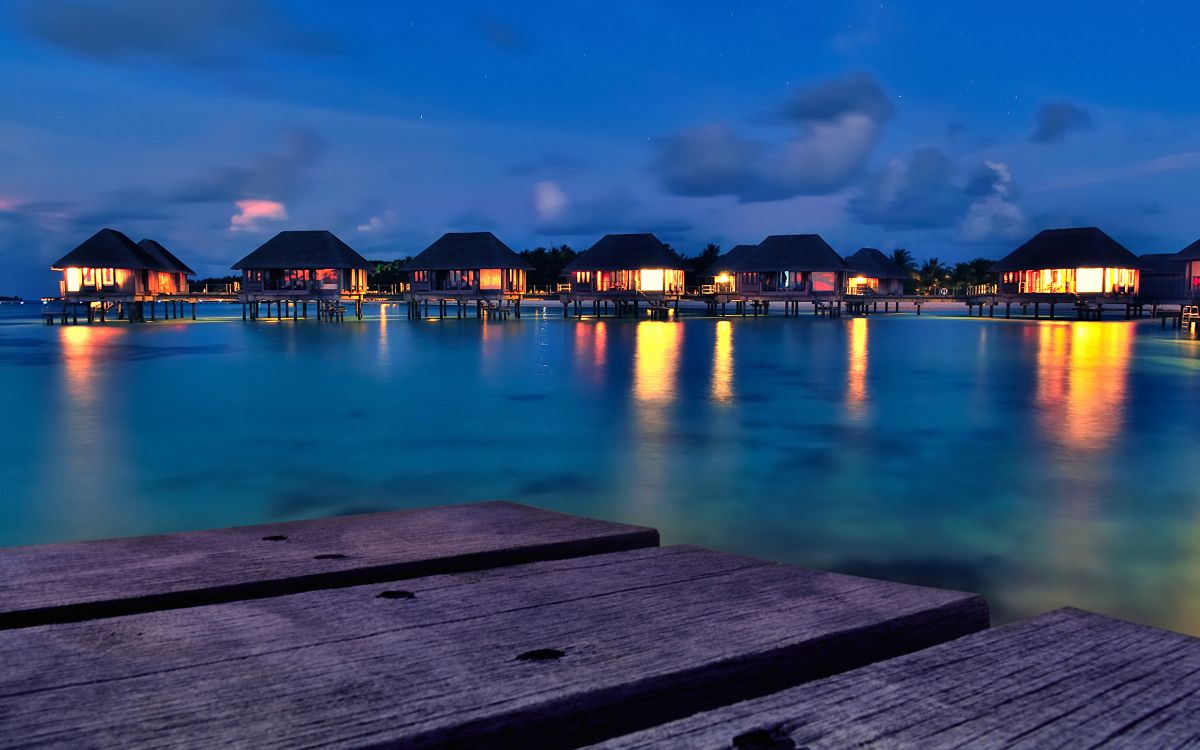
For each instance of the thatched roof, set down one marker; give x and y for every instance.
(466, 251)
(728, 261)
(873, 264)
(1080, 247)
(303, 250)
(165, 256)
(622, 252)
(792, 252)
(1191, 252)
(109, 248)
(1161, 263)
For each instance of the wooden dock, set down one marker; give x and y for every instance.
(498, 625)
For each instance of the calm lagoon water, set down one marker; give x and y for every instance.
(1042, 464)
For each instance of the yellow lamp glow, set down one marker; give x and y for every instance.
(74, 278)
(489, 278)
(652, 279)
(1089, 280)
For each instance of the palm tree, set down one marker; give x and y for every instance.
(931, 275)
(904, 259)
(962, 277)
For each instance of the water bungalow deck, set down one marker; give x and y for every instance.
(1078, 306)
(99, 308)
(499, 625)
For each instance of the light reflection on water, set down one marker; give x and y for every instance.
(856, 368)
(1042, 464)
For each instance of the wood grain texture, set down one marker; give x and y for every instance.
(551, 654)
(1067, 679)
(85, 580)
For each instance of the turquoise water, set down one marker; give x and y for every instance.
(1041, 464)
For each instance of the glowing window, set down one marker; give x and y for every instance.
(824, 281)
(74, 278)
(489, 278)
(652, 279)
(1089, 280)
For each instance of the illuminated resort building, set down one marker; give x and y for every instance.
(108, 264)
(110, 273)
(468, 268)
(1190, 256)
(294, 268)
(790, 265)
(872, 272)
(724, 280)
(627, 264)
(1070, 262)
(1163, 277)
(624, 270)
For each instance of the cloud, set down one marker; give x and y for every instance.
(926, 191)
(837, 126)
(1058, 118)
(188, 33)
(616, 211)
(1167, 163)
(251, 212)
(273, 176)
(993, 214)
(830, 100)
(549, 201)
(917, 193)
(383, 222)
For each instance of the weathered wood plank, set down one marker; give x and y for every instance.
(1065, 679)
(85, 580)
(551, 654)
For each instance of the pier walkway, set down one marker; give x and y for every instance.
(500, 625)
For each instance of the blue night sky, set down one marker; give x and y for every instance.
(955, 130)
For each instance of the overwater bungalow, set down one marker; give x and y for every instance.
(109, 265)
(468, 268)
(627, 263)
(1078, 262)
(1190, 256)
(174, 279)
(625, 269)
(297, 267)
(109, 271)
(1162, 277)
(875, 273)
(791, 265)
(724, 280)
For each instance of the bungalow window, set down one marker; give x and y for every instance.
(1089, 280)
(652, 279)
(89, 277)
(74, 279)
(824, 281)
(106, 276)
(489, 278)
